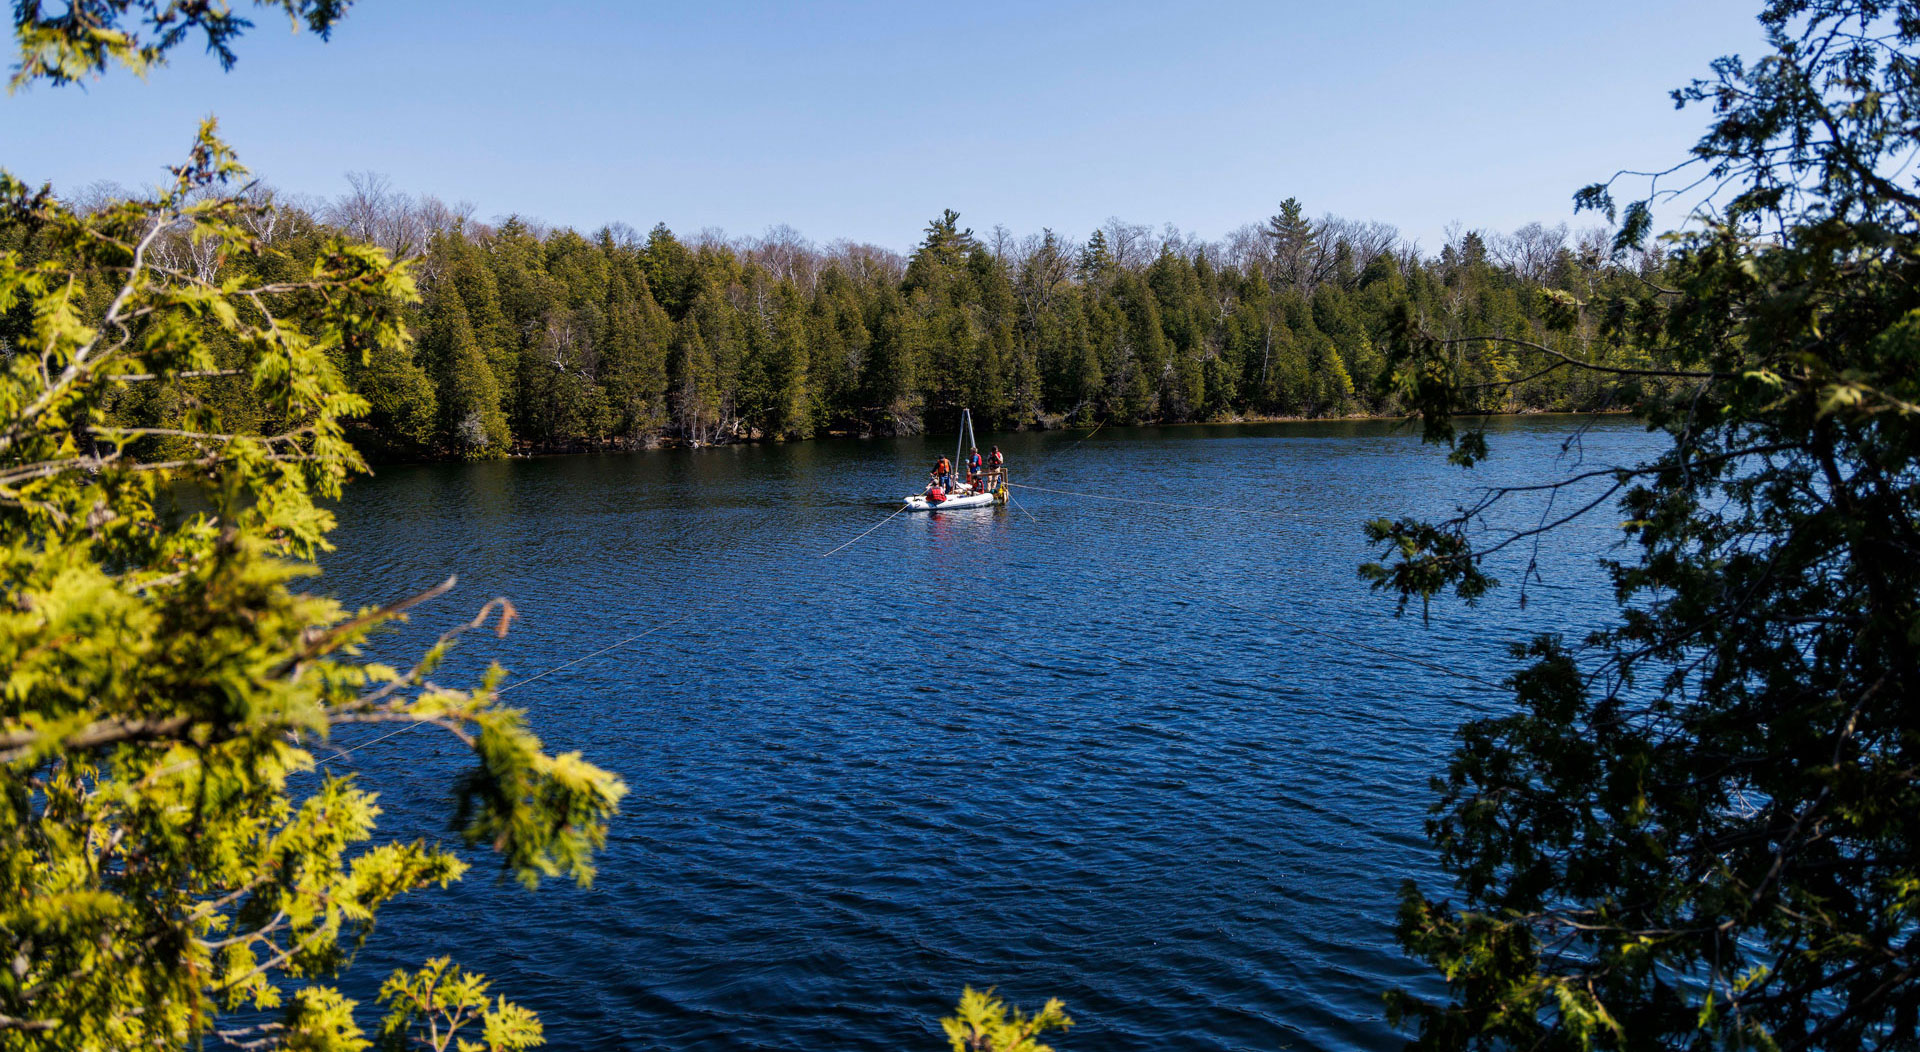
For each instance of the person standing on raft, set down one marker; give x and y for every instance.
(996, 471)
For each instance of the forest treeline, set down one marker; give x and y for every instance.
(529, 338)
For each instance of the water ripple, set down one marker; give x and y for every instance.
(1037, 751)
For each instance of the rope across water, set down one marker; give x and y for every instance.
(875, 526)
(869, 531)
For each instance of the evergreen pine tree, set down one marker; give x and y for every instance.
(943, 249)
(893, 365)
(1295, 242)
(471, 423)
(1096, 259)
(792, 410)
(632, 367)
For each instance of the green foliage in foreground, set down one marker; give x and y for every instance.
(168, 854)
(433, 1005)
(984, 1023)
(1700, 827)
(173, 872)
(63, 43)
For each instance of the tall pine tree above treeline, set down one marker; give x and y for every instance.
(546, 340)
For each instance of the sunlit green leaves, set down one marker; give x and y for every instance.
(63, 43)
(441, 1007)
(170, 853)
(985, 1023)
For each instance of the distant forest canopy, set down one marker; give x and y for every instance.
(535, 338)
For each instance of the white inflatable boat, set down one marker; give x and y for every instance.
(993, 490)
(919, 502)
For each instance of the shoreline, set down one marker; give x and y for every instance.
(657, 443)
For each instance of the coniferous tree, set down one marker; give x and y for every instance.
(462, 264)
(791, 411)
(670, 271)
(1096, 259)
(838, 346)
(1695, 828)
(172, 873)
(401, 418)
(941, 251)
(633, 359)
(602, 340)
(893, 366)
(471, 422)
(1296, 247)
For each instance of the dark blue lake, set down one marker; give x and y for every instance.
(1169, 765)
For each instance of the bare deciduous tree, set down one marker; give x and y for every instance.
(1364, 240)
(786, 254)
(1132, 244)
(361, 210)
(1246, 248)
(373, 211)
(866, 261)
(96, 195)
(1407, 256)
(1047, 265)
(1001, 242)
(1531, 252)
(624, 236)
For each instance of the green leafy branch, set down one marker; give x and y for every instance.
(80, 41)
(985, 1023)
(166, 856)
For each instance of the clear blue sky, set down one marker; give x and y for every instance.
(862, 120)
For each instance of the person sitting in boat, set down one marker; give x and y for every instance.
(936, 493)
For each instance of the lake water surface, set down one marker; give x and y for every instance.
(1169, 765)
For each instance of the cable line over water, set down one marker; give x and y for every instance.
(701, 604)
(1090, 704)
(875, 526)
(339, 754)
(636, 637)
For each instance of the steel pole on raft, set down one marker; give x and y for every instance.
(966, 421)
(959, 440)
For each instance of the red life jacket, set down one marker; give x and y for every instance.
(935, 494)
